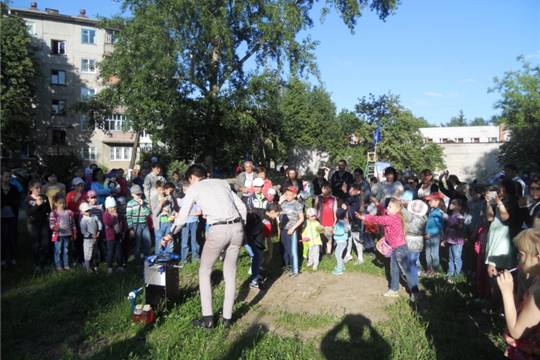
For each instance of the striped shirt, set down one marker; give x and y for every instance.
(136, 213)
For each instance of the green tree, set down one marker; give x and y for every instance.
(459, 120)
(18, 79)
(402, 144)
(188, 58)
(478, 121)
(520, 113)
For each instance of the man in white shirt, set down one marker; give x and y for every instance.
(225, 215)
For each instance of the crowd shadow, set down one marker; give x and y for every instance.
(455, 326)
(245, 342)
(126, 349)
(355, 338)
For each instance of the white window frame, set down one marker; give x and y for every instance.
(88, 36)
(31, 28)
(90, 67)
(61, 75)
(87, 93)
(120, 153)
(115, 122)
(61, 107)
(60, 50)
(111, 37)
(89, 152)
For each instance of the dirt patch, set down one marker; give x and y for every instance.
(315, 294)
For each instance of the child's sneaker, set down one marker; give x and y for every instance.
(67, 268)
(315, 268)
(335, 272)
(254, 284)
(59, 268)
(348, 258)
(391, 294)
(109, 271)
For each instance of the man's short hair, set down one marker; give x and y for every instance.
(511, 167)
(196, 170)
(342, 161)
(156, 165)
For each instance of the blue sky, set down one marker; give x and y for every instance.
(440, 57)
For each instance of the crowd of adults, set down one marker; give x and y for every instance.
(489, 230)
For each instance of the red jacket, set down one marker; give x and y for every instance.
(74, 205)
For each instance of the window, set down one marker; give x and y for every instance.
(493, 140)
(58, 47)
(58, 107)
(84, 123)
(475, 140)
(429, 140)
(115, 123)
(88, 65)
(28, 151)
(120, 153)
(58, 137)
(88, 36)
(31, 28)
(444, 140)
(111, 37)
(58, 77)
(87, 93)
(89, 153)
(459, 140)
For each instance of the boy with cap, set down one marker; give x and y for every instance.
(416, 216)
(341, 235)
(258, 210)
(137, 211)
(90, 227)
(290, 219)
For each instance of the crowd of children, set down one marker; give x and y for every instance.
(411, 221)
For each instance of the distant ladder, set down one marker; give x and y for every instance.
(370, 164)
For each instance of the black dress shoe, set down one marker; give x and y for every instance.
(206, 322)
(227, 323)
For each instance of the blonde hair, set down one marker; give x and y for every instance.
(398, 203)
(528, 241)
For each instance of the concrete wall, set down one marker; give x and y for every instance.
(472, 161)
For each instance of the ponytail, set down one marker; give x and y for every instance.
(398, 202)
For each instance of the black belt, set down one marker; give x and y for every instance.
(237, 220)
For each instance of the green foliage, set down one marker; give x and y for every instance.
(179, 71)
(478, 121)
(18, 79)
(520, 112)
(402, 144)
(178, 166)
(459, 120)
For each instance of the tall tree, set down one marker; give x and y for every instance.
(18, 79)
(206, 46)
(402, 144)
(478, 121)
(459, 120)
(520, 113)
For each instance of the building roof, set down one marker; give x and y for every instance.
(54, 15)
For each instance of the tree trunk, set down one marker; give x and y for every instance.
(134, 150)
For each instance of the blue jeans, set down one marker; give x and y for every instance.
(142, 235)
(454, 261)
(399, 260)
(61, 245)
(340, 264)
(432, 253)
(164, 229)
(290, 247)
(189, 230)
(412, 258)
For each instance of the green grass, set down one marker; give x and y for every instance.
(74, 315)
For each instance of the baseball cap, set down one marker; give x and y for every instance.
(435, 195)
(110, 202)
(311, 212)
(84, 207)
(77, 181)
(91, 193)
(292, 189)
(136, 189)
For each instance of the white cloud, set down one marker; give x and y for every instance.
(535, 55)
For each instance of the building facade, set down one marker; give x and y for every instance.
(470, 152)
(68, 51)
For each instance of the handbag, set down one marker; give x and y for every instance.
(383, 247)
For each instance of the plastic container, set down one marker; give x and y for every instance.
(148, 314)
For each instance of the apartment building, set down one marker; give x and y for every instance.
(465, 134)
(69, 49)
